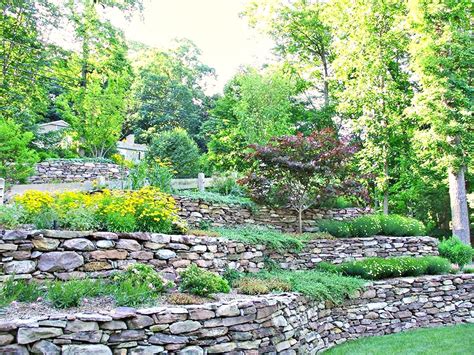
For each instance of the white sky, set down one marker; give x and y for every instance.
(225, 39)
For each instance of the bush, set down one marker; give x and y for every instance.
(179, 149)
(82, 219)
(19, 290)
(71, 293)
(259, 235)
(201, 282)
(140, 274)
(151, 172)
(11, 216)
(232, 275)
(226, 184)
(456, 251)
(380, 268)
(16, 159)
(366, 226)
(256, 286)
(127, 293)
(396, 225)
(339, 229)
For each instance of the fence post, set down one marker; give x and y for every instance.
(200, 182)
(2, 190)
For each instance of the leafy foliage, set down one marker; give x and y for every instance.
(202, 282)
(20, 290)
(298, 171)
(456, 251)
(71, 293)
(214, 197)
(256, 286)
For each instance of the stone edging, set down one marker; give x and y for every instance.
(285, 323)
(72, 254)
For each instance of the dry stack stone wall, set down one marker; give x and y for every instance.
(70, 254)
(197, 211)
(73, 171)
(283, 324)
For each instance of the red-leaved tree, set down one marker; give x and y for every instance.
(301, 171)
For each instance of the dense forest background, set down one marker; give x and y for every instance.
(393, 77)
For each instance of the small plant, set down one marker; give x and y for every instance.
(366, 226)
(256, 286)
(129, 293)
(82, 219)
(213, 197)
(140, 274)
(231, 275)
(259, 235)
(339, 229)
(204, 233)
(185, 298)
(456, 251)
(11, 216)
(71, 293)
(118, 222)
(401, 226)
(20, 290)
(202, 282)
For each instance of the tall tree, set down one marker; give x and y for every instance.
(369, 49)
(168, 91)
(442, 55)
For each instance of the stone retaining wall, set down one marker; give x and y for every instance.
(73, 171)
(67, 254)
(197, 211)
(283, 324)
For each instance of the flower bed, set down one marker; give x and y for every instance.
(272, 323)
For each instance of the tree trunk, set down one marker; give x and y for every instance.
(300, 220)
(458, 199)
(385, 191)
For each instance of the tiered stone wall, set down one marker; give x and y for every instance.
(197, 211)
(283, 324)
(68, 254)
(73, 171)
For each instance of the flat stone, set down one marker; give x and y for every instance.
(105, 244)
(109, 254)
(14, 349)
(94, 349)
(45, 347)
(201, 314)
(376, 305)
(81, 244)
(128, 244)
(80, 326)
(31, 335)
(93, 317)
(60, 261)
(147, 350)
(15, 235)
(221, 348)
(93, 336)
(228, 310)
(6, 339)
(184, 327)
(105, 235)
(127, 335)
(123, 312)
(8, 247)
(64, 234)
(191, 350)
(19, 267)
(160, 338)
(97, 266)
(140, 322)
(114, 325)
(165, 254)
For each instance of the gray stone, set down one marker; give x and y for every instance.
(139, 322)
(15, 235)
(191, 350)
(160, 338)
(14, 349)
(80, 326)
(146, 350)
(128, 244)
(221, 348)
(184, 327)
(45, 347)
(86, 350)
(228, 310)
(6, 339)
(127, 335)
(45, 244)
(30, 335)
(114, 325)
(105, 244)
(19, 267)
(165, 254)
(94, 317)
(60, 261)
(201, 314)
(81, 244)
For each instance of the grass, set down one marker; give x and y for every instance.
(451, 340)
(382, 268)
(214, 197)
(259, 235)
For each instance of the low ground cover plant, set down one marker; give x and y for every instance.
(383, 268)
(147, 210)
(456, 251)
(201, 282)
(260, 235)
(215, 197)
(370, 225)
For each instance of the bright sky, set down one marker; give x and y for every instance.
(225, 39)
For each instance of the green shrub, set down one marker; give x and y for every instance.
(396, 225)
(118, 222)
(257, 286)
(260, 235)
(380, 268)
(366, 226)
(177, 147)
(19, 290)
(226, 184)
(232, 275)
(70, 293)
(151, 172)
(83, 219)
(456, 251)
(128, 293)
(11, 216)
(202, 282)
(320, 286)
(339, 229)
(213, 197)
(140, 274)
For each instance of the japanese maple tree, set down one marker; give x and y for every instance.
(300, 171)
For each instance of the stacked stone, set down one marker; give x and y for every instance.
(197, 211)
(64, 255)
(284, 324)
(74, 171)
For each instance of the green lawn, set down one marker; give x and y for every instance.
(457, 339)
